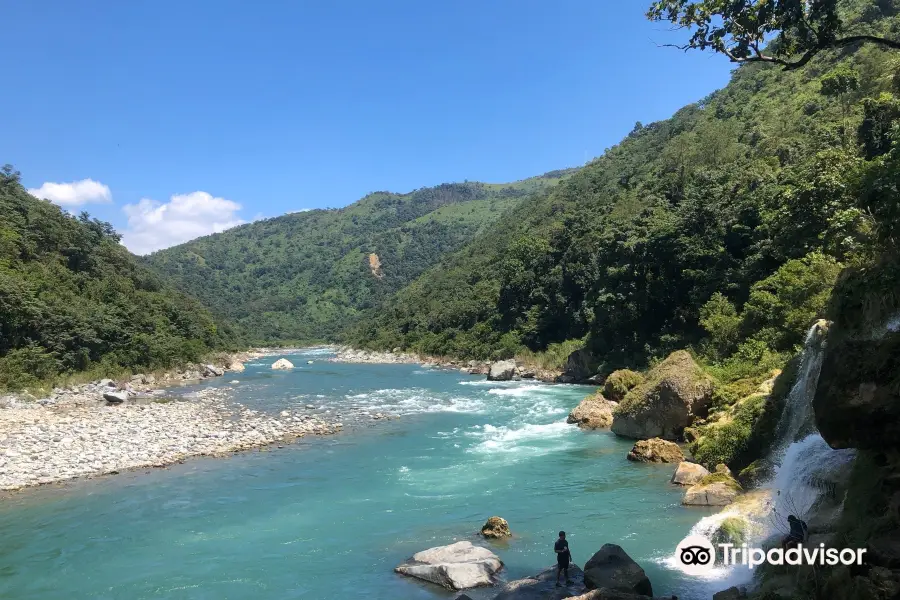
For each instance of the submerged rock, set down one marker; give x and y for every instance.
(457, 566)
(689, 473)
(612, 568)
(496, 527)
(503, 370)
(675, 392)
(656, 451)
(594, 412)
(282, 364)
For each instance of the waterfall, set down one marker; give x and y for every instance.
(806, 463)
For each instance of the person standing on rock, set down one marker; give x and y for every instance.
(563, 556)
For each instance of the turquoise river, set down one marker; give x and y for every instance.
(329, 517)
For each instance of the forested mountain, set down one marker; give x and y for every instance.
(73, 299)
(722, 228)
(306, 276)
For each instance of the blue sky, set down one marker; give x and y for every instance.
(192, 116)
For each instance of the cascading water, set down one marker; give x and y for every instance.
(806, 463)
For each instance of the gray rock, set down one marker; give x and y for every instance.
(212, 371)
(580, 366)
(689, 473)
(282, 364)
(612, 568)
(503, 370)
(457, 566)
(543, 586)
(116, 397)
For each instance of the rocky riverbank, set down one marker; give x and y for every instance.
(519, 369)
(106, 426)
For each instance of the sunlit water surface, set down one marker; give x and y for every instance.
(330, 517)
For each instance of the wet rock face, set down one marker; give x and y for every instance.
(857, 402)
(674, 393)
(612, 568)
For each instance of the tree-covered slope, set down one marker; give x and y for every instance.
(306, 276)
(723, 227)
(73, 299)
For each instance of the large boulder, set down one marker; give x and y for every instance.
(212, 371)
(716, 489)
(675, 392)
(458, 566)
(282, 364)
(689, 473)
(543, 586)
(236, 366)
(620, 382)
(857, 399)
(580, 366)
(496, 527)
(503, 370)
(115, 397)
(594, 412)
(656, 451)
(613, 569)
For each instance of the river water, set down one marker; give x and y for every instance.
(330, 517)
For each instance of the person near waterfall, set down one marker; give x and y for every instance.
(797, 534)
(563, 556)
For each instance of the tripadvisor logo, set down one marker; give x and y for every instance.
(697, 555)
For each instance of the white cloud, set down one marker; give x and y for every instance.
(153, 225)
(76, 193)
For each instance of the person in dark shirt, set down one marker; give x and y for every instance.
(797, 534)
(563, 556)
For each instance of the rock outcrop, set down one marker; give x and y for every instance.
(496, 527)
(675, 392)
(689, 473)
(620, 382)
(656, 451)
(594, 412)
(857, 401)
(612, 568)
(580, 366)
(716, 489)
(457, 566)
(543, 586)
(503, 370)
(282, 364)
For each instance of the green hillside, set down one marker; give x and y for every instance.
(73, 299)
(306, 276)
(722, 228)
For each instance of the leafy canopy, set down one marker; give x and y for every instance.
(742, 30)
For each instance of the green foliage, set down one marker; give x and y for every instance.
(840, 81)
(553, 358)
(72, 299)
(782, 307)
(306, 276)
(877, 130)
(741, 30)
(720, 478)
(721, 321)
(725, 441)
(619, 383)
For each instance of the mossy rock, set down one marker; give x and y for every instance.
(755, 473)
(733, 530)
(620, 382)
(674, 393)
(722, 478)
